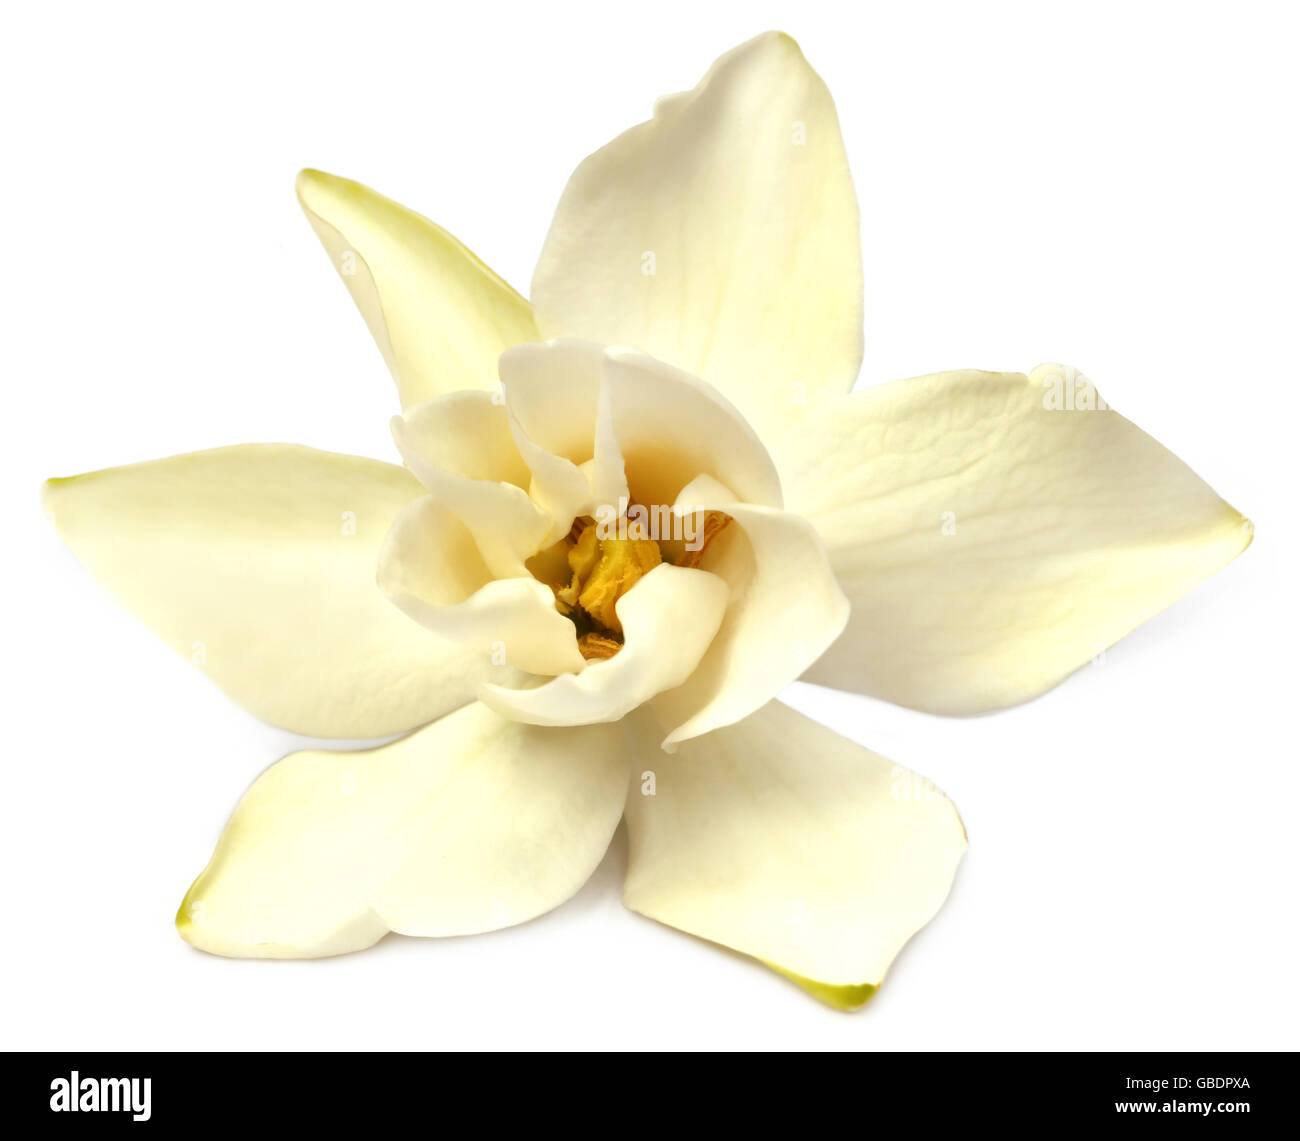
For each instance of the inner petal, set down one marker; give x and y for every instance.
(552, 396)
(432, 568)
(572, 489)
(507, 526)
(668, 620)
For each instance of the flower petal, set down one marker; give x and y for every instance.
(552, 389)
(668, 619)
(625, 419)
(471, 824)
(258, 564)
(432, 569)
(439, 315)
(507, 525)
(992, 543)
(467, 434)
(672, 428)
(784, 840)
(785, 609)
(552, 392)
(722, 237)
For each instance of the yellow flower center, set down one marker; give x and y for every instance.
(606, 569)
(589, 574)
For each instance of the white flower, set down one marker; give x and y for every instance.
(593, 579)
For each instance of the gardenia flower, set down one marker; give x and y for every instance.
(590, 580)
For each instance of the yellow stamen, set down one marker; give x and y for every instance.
(622, 563)
(584, 554)
(600, 646)
(589, 575)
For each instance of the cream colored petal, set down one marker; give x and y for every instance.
(257, 564)
(672, 428)
(439, 315)
(552, 393)
(552, 389)
(472, 824)
(625, 420)
(992, 542)
(507, 525)
(784, 840)
(558, 487)
(722, 237)
(432, 569)
(785, 608)
(668, 619)
(467, 434)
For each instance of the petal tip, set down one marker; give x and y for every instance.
(1247, 529)
(323, 195)
(309, 181)
(184, 921)
(779, 38)
(845, 997)
(49, 493)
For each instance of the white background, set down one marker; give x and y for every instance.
(1111, 186)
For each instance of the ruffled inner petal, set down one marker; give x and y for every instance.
(668, 620)
(431, 567)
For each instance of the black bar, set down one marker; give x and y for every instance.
(442, 1093)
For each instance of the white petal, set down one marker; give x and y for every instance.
(630, 420)
(990, 544)
(552, 389)
(552, 392)
(439, 315)
(467, 434)
(507, 525)
(785, 608)
(671, 428)
(722, 237)
(781, 839)
(431, 567)
(471, 824)
(257, 563)
(668, 619)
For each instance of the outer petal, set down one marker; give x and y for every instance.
(722, 237)
(790, 843)
(439, 315)
(785, 608)
(668, 618)
(258, 564)
(990, 542)
(471, 824)
(431, 568)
